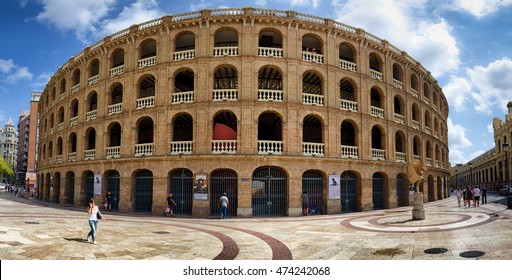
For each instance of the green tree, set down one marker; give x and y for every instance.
(5, 169)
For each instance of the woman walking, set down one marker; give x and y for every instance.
(93, 211)
(458, 193)
(468, 197)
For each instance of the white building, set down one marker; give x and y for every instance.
(8, 145)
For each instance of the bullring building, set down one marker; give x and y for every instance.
(260, 104)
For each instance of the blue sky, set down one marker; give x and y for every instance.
(464, 44)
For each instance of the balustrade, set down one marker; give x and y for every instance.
(270, 95)
(398, 84)
(224, 146)
(145, 62)
(399, 118)
(400, 157)
(75, 88)
(429, 162)
(182, 97)
(376, 75)
(94, 79)
(347, 65)
(266, 147)
(415, 124)
(225, 51)
(270, 52)
(60, 126)
(414, 92)
(115, 109)
(313, 149)
(312, 57)
(91, 115)
(72, 157)
(349, 152)
(348, 105)
(144, 149)
(377, 112)
(312, 99)
(73, 121)
(416, 158)
(146, 102)
(181, 147)
(378, 154)
(89, 154)
(186, 54)
(117, 71)
(225, 94)
(113, 152)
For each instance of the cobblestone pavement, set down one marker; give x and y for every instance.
(36, 230)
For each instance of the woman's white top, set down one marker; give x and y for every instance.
(94, 213)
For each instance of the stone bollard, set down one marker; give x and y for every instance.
(418, 213)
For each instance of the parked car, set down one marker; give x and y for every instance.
(2, 186)
(506, 190)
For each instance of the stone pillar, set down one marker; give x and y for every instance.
(244, 197)
(295, 197)
(418, 213)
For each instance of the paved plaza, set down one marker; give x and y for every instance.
(35, 230)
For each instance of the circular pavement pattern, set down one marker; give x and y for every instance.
(434, 221)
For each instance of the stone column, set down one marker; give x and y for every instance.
(418, 213)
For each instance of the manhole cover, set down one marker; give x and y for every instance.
(435, 251)
(161, 232)
(32, 223)
(471, 254)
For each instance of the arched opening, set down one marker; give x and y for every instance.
(224, 181)
(88, 183)
(270, 39)
(348, 190)
(402, 190)
(117, 58)
(148, 49)
(348, 139)
(114, 187)
(312, 93)
(270, 84)
(269, 192)
(183, 87)
(378, 191)
(270, 133)
(226, 43)
(70, 187)
(312, 133)
(224, 133)
(313, 185)
(144, 191)
(225, 84)
(182, 134)
(181, 185)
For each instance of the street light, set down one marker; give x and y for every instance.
(505, 149)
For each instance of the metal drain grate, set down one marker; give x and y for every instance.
(435, 251)
(161, 232)
(32, 223)
(471, 254)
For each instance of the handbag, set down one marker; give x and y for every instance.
(99, 216)
(167, 210)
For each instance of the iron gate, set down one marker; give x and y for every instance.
(182, 186)
(313, 184)
(224, 181)
(400, 198)
(378, 192)
(144, 192)
(89, 189)
(56, 189)
(348, 191)
(269, 192)
(71, 186)
(113, 182)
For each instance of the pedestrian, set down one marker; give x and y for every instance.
(305, 204)
(108, 200)
(468, 197)
(476, 196)
(223, 205)
(484, 194)
(458, 193)
(93, 212)
(170, 205)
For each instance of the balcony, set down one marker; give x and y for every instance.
(347, 65)
(378, 154)
(414, 92)
(115, 109)
(267, 147)
(416, 158)
(62, 96)
(58, 158)
(93, 80)
(312, 57)
(270, 95)
(144, 149)
(415, 124)
(224, 146)
(426, 129)
(73, 121)
(113, 152)
(183, 97)
(399, 118)
(398, 84)
(348, 105)
(349, 152)
(145, 102)
(117, 71)
(146, 62)
(225, 51)
(60, 126)
(91, 115)
(376, 75)
(377, 112)
(225, 94)
(426, 100)
(183, 55)
(72, 157)
(75, 88)
(181, 147)
(313, 149)
(400, 157)
(312, 99)
(89, 154)
(270, 52)
(429, 162)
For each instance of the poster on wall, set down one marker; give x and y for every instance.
(97, 183)
(334, 186)
(200, 187)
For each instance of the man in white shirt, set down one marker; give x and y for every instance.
(476, 196)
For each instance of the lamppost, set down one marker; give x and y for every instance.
(505, 149)
(28, 184)
(470, 174)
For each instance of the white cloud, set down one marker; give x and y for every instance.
(480, 8)
(409, 26)
(490, 128)
(312, 3)
(12, 73)
(80, 16)
(457, 142)
(138, 12)
(458, 93)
